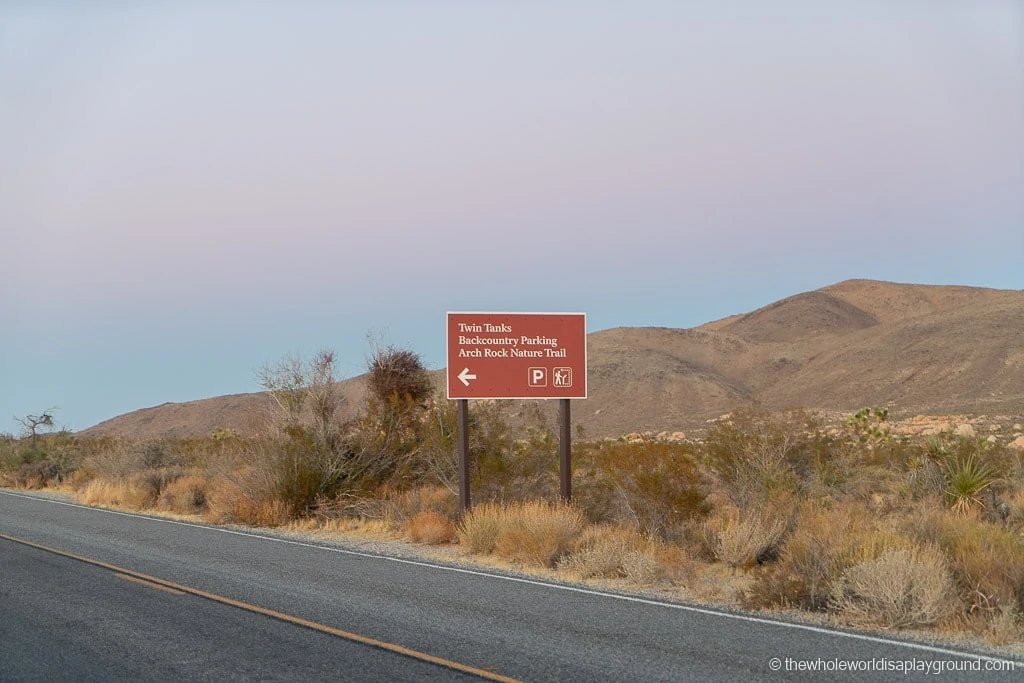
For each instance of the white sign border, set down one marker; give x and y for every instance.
(448, 374)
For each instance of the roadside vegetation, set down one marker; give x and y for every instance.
(764, 511)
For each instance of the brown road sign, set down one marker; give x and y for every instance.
(517, 355)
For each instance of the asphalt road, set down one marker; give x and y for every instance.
(242, 606)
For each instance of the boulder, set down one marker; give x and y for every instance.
(965, 430)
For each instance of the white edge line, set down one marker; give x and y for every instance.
(534, 582)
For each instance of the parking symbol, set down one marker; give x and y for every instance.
(562, 377)
(538, 377)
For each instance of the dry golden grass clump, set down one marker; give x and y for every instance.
(117, 493)
(531, 533)
(431, 528)
(903, 587)
(481, 527)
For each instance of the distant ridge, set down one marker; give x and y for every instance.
(925, 348)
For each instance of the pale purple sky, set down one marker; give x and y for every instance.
(189, 190)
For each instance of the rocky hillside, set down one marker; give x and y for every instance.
(922, 349)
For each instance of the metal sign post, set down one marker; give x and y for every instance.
(462, 439)
(565, 450)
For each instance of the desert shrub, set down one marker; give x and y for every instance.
(742, 539)
(1003, 627)
(295, 472)
(401, 444)
(613, 552)
(117, 458)
(402, 506)
(232, 500)
(528, 533)
(186, 495)
(924, 475)
(37, 475)
(987, 559)
(908, 586)
(431, 528)
(156, 455)
(825, 540)
(755, 456)
(656, 486)
(398, 373)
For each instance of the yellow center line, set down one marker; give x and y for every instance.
(355, 637)
(143, 582)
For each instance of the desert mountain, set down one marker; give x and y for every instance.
(922, 348)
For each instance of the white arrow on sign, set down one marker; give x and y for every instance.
(465, 376)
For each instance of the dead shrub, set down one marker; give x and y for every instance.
(431, 528)
(903, 587)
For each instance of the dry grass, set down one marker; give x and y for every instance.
(401, 507)
(903, 587)
(532, 533)
(186, 495)
(227, 502)
(431, 528)
(133, 493)
(481, 527)
(76, 482)
(538, 533)
(1004, 628)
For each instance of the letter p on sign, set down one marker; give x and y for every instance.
(538, 377)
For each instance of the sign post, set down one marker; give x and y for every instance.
(564, 450)
(521, 356)
(463, 446)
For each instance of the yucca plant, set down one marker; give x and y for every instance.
(936, 447)
(965, 481)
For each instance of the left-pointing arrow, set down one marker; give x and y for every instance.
(465, 376)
